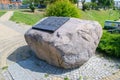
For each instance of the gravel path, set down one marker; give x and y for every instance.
(22, 65)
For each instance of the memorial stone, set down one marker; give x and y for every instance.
(64, 42)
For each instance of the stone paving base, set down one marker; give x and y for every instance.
(34, 69)
(114, 76)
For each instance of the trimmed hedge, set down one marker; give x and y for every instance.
(110, 44)
(63, 8)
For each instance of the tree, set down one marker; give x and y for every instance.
(30, 1)
(94, 4)
(32, 7)
(106, 3)
(25, 1)
(110, 3)
(52, 1)
(73, 1)
(83, 5)
(45, 2)
(93, 1)
(87, 5)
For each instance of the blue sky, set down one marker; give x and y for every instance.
(90, 0)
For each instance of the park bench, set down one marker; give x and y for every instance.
(112, 26)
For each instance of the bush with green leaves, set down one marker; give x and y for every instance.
(32, 7)
(63, 8)
(110, 44)
(87, 5)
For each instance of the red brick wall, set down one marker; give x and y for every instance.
(9, 2)
(16, 3)
(5, 2)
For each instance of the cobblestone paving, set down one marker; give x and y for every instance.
(95, 69)
(114, 76)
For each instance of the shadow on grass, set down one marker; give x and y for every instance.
(28, 11)
(41, 10)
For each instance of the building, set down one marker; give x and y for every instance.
(8, 4)
(117, 4)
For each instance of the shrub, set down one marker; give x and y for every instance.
(62, 8)
(110, 44)
(32, 7)
(94, 6)
(90, 5)
(87, 5)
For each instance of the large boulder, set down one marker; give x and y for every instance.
(70, 46)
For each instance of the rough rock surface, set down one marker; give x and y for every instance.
(70, 46)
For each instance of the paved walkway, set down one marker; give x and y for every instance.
(6, 32)
(6, 16)
(10, 40)
(23, 64)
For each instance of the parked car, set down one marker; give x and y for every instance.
(41, 6)
(25, 6)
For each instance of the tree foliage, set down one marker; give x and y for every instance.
(83, 5)
(104, 3)
(93, 1)
(44, 1)
(30, 1)
(73, 1)
(31, 6)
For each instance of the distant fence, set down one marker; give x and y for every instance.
(9, 6)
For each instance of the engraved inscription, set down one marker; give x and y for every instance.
(51, 23)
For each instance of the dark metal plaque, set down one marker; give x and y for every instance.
(51, 24)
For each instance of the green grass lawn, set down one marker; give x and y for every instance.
(100, 16)
(27, 18)
(2, 12)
